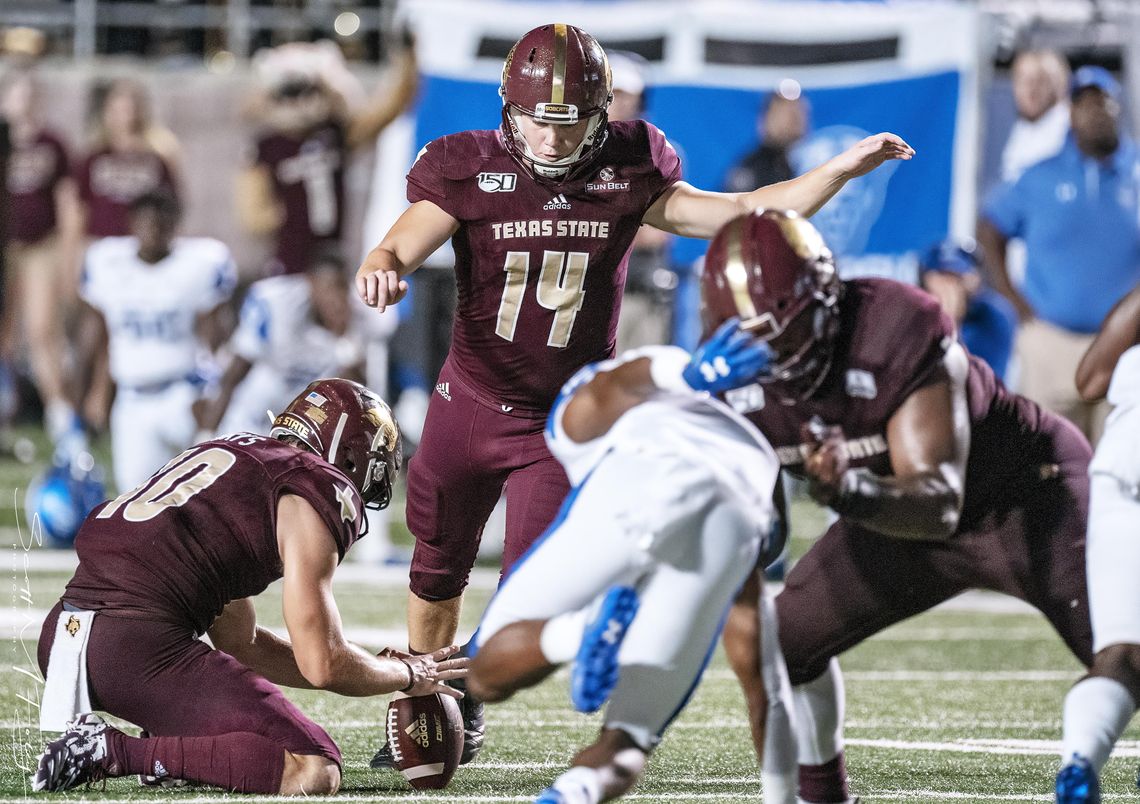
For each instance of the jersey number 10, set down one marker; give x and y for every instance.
(561, 288)
(191, 472)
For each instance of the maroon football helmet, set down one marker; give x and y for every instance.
(556, 74)
(350, 427)
(772, 269)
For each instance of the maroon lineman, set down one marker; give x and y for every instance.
(181, 556)
(942, 479)
(541, 214)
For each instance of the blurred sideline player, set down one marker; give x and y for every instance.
(181, 555)
(646, 316)
(541, 214)
(39, 286)
(1098, 708)
(313, 113)
(155, 301)
(986, 321)
(292, 330)
(672, 496)
(942, 479)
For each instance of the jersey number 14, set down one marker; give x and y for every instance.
(561, 288)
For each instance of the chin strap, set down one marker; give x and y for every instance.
(559, 167)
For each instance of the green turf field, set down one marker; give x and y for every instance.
(957, 705)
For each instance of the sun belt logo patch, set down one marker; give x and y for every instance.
(498, 182)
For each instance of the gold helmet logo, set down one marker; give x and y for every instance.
(72, 625)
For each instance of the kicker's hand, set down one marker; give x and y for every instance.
(428, 671)
(729, 359)
(870, 152)
(379, 288)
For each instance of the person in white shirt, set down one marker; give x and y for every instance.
(1099, 707)
(670, 507)
(156, 300)
(1041, 94)
(292, 330)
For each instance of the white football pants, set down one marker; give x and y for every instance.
(666, 527)
(148, 429)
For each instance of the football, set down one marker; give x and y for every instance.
(425, 735)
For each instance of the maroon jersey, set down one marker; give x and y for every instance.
(34, 170)
(203, 531)
(891, 342)
(110, 180)
(540, 266)
(308, 178)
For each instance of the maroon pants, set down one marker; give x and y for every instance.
(1030, 543)
(469, 452)
(157, 676)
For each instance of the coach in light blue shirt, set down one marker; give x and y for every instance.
(1079, 216)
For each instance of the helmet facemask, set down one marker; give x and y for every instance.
(567, 167)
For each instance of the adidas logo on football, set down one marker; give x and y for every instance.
(444, 390)
(558, 202)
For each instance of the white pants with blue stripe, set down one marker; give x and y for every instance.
(667, 527)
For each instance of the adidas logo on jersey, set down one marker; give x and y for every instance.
(444, 390)
(558, 202)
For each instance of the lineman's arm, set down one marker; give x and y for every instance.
(687, 211)
(1119, 332)
(324, 657)
(413, 238)
(928, 439)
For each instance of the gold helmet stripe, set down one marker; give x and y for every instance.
(558, 82)
(736, 273)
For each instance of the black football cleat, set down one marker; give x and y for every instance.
(78, 756)
(383, 759)
(474, 728)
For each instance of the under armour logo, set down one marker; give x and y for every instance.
(715, 369)
(612, 633)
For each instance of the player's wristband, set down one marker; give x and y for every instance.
(858, 494)
(666, 370)
(411, 675)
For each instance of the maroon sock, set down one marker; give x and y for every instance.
(241, 762)
(825, 783)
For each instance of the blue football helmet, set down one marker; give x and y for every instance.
(60, 499)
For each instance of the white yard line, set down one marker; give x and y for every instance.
(722, 674)
(15, 558)
(1124, 748)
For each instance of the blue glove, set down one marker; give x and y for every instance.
(729, 359)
